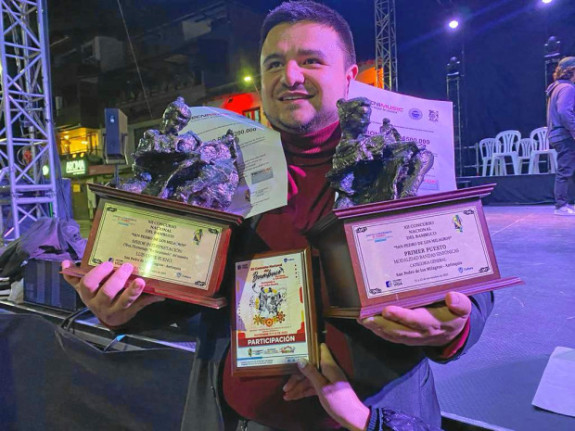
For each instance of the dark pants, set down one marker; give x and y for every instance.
(565, 170)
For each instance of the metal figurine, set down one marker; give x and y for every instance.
(182, 167)
(374, 168)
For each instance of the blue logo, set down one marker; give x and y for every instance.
(415, 114)
(460, 269)
(388, 284)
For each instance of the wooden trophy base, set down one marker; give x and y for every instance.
(408, 252)
(180, 250)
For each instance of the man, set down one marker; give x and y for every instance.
(307, 62)
(561, 131)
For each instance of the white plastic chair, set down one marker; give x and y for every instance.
(486, 150)
(526, 147)
(508, 141)
(539, 135)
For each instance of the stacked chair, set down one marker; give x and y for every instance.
(509, 150)
(539, 136)
(507, 146)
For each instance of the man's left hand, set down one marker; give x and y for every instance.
(426, 326)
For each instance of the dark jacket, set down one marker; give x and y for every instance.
(561, 111)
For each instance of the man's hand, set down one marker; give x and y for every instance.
(105, 293)
(298, 387)
(335, 393)
(426, 326)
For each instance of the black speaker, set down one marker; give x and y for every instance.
(116, 136)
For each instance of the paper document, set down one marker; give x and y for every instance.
(261, 161)
(426, 122)
(556, 391)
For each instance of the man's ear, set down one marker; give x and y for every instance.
(350, 75)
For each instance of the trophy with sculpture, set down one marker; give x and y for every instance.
(172, 219)
(385, 245)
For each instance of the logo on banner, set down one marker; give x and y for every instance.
(415, 114)
(433, 115)
(457, 223)
(385, 107)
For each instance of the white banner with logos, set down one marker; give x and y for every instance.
(424, 121)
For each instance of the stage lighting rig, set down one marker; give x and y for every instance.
(455, 93)
(454, 67)
(552, 57)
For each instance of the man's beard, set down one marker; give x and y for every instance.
(299, 129)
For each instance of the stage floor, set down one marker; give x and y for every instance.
(494, 383)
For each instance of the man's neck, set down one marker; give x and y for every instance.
(311, 142)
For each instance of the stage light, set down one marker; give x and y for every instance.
(546, 1)
(453, 24)
(248, 79)
(454, 67)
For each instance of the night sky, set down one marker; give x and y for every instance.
(502, 39)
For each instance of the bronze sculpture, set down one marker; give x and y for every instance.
(182, 167)
(373, 168)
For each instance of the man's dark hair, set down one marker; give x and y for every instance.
(292, 12)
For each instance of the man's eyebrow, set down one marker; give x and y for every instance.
(274, 56)
(302, 52)
(312, 53)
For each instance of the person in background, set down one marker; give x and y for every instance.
(561, 131)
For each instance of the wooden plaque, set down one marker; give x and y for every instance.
(273, 314)
(408, 252)
(180, 250)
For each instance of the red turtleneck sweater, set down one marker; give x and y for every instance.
(309, 198)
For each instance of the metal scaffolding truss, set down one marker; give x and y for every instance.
(385, 45)
(27, 150)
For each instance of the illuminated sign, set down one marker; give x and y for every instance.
(76, 167)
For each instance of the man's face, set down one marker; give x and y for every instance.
(303, 76)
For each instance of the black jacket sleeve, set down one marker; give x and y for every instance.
(382, 419)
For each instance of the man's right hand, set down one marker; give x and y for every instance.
(106, 294)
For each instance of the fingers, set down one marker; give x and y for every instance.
(115, 283)
(458, 303)
(416, 319)
(130, 294)
(131, 300)
(293, 381)
(70, 279)
(90, 283)
(107, 293)
(297, 387)
(392, 331)
(313, 375)
(329, 367)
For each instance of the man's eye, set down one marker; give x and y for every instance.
(311, 61)
(273, 65)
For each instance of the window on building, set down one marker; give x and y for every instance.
(253, 114)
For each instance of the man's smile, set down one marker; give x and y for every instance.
(291, 96)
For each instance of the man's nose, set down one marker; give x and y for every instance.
(293, 74)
